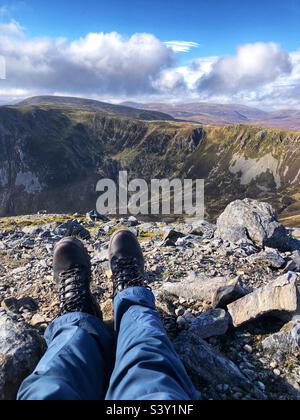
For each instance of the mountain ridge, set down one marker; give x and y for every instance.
(93, 105)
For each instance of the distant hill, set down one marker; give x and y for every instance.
(218, 114)
(282, 119)
(96, 106)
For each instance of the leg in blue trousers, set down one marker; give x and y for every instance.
(79, 358)
(79, 361)
(77, 364)
(147, 366)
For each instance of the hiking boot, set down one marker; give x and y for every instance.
(126, 261)
(72, 273)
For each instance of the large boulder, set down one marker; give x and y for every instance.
(279, 298)
(219, 290)
(255, 221)
(204, 361)
(21, 348)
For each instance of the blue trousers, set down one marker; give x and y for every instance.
(82, 363)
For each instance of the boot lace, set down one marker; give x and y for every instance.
(127, 273)
(74, 293)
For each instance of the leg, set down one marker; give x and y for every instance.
(77, 363)
(147, 366)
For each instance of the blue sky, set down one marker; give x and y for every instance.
(217, 25)
(223, 50)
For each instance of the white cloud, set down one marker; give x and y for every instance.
(170, 80)
(282, 92)
(182, 46)
(109, 66)
(253, 66)
(99, 63)
(11, 29)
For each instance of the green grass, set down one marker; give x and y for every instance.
(20, 222)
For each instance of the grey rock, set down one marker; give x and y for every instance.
(199, 287)
(205, 229)
(171, 237)
(287, 340)
(32, 230)
(184, 228)
(279, 298)
(269, 257)
(211, 324)
(294, 263)
(212, 367)
(226, 295)
(255, 221)
(11, 305)
(27, 243)
(187, 241)
(21, 348)
(133, 221)
(37, 320)
(73, 228)
(14, 305)
(95, 216)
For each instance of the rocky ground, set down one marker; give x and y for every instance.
(235, 325)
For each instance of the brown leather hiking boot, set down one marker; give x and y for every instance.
(72, 273)
(126, 261)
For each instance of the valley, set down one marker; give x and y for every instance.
(54, 153)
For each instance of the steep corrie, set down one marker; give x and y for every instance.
(52, 158)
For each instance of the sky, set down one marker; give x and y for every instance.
(224, 51)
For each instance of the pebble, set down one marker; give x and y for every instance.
(179, 311)
(277, 372)
(274, 365)
(248, 349)
(37, 319)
